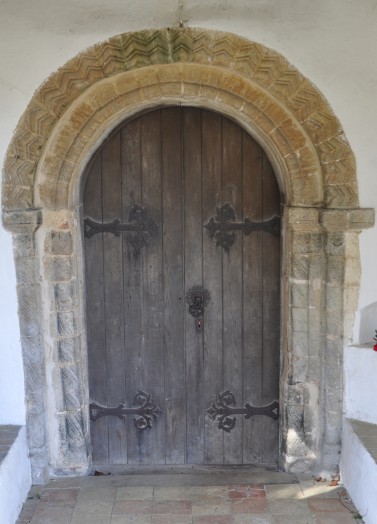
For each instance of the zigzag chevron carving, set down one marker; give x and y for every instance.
(262, 66)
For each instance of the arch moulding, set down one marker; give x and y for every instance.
(66, 121)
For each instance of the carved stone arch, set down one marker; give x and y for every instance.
(66, 121)
(255, 64)
(110, 101)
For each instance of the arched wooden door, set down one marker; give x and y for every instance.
(182, 252)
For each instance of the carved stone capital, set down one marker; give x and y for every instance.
(347, 219)
(25, 221)
(334, 220)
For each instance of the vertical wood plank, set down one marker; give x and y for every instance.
(95, 312)
(232, 285)
(212, 280)
(252, 299)
(271, 310)
(193, 234)
(172, 226)
(153, 357)
(133, 281)
(114, 317)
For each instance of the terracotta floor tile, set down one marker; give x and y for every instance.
(59, 497)
(107, 494)
(284, 491)
(288, 506)
(172, 507)
(171, 519)
(255, 518)
(204, 492)
(92, 519)
(172, 493)
(51, 515)
(326, 504)
(295, 519)
(251, 505)
(95, 508)
(243, 492)
(126, 507)
(135, 493)
(131, 519)
(335, 518)
(213, 519)
(211, 507)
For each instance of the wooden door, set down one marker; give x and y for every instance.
(182, 253)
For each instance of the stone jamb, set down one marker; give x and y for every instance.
(24, 225)
(66, 122)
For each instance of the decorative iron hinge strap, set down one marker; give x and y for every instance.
(146, 411)
(223, 411)
(140, 224)
(223, 226)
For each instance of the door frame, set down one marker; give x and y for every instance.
(65, 123)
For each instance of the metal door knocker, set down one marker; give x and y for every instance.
(197, 298)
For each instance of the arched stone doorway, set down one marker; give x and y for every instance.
(66, 121)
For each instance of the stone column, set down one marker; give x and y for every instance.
(303, 340)
(66, 380)
(341, 287)
(321, 276)
(23, 225)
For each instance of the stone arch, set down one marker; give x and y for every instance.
(246, 63)
(69, 117)
(109, 101)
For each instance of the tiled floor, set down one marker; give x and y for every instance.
(257, 498)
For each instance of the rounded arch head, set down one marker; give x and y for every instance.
(71, 113)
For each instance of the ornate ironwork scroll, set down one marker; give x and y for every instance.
(223, 226)
(140, 224)
(197, 298)
(223, 411)
(143, 415)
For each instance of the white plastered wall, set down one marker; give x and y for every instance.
(15, 479)
(333, 43)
